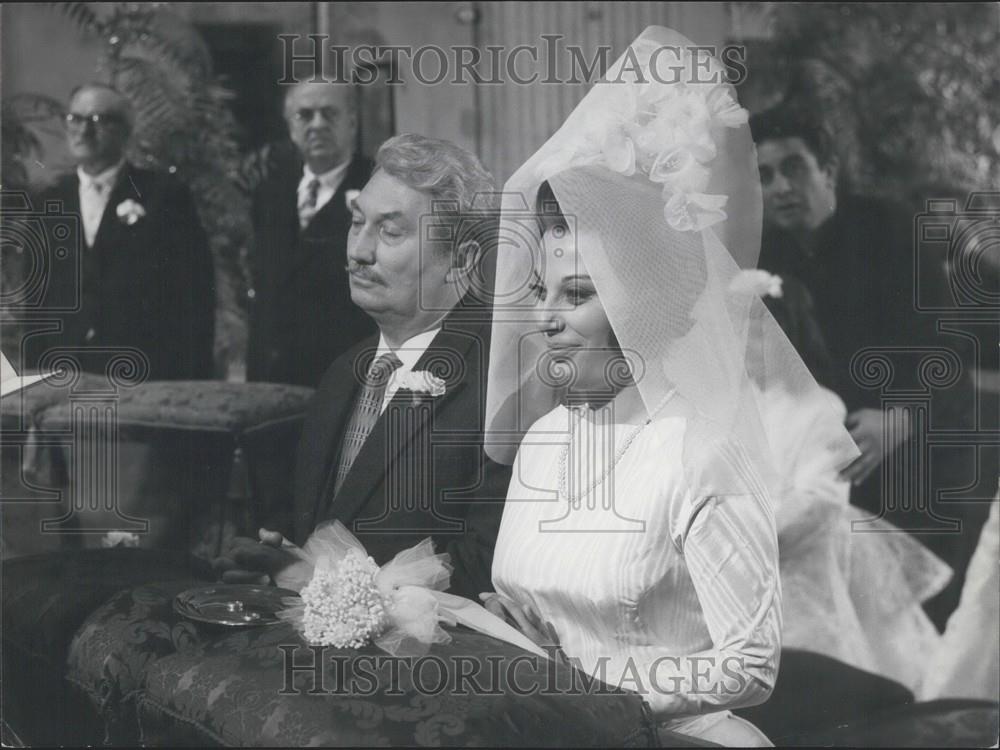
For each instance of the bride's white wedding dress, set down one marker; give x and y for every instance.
(675, 589)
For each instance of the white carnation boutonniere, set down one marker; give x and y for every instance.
(758, 282)
(421, 381)
(130, 211)
(119, 539)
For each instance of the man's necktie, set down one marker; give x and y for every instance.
(366, 413)
(308, 208)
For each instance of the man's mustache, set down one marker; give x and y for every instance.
(363, 272)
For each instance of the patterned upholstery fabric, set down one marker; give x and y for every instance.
(159, 679)
(45, 600)
(22, 409)
(184, 448)
(203, 406)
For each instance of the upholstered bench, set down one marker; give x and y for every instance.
(178, 465)
(29, 480)
(46, 598)
(160, 680)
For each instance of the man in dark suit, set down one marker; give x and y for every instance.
(301, 315)
(147, 279)
(855, 255)
(393, 444)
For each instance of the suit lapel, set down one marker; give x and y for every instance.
(285, 204)
(335, 409)
(382, 449)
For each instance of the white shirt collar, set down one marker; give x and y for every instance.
(410, 351)
(105, 179)
(330, 178)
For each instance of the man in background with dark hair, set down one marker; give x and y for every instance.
(301, 314)
(147, 279)
(855, 256)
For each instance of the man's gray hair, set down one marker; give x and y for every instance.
(460, 187)
(440, 168)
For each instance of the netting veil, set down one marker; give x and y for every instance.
(656, 173)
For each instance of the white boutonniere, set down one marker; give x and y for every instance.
(129, 211)
(120, 539)
(421, 381)
(756, 281)
(350, 196)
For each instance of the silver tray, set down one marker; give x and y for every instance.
(233, 605)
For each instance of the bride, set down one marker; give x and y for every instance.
(638, 532)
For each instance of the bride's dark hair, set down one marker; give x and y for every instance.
(547, 205)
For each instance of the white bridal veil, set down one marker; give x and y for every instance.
(656, 171)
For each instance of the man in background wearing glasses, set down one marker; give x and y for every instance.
(146, 278)
(301, 314)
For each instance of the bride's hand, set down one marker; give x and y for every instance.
(524, 618)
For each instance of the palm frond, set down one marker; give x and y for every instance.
(81, 14)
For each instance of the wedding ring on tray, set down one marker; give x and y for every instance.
(233, 605)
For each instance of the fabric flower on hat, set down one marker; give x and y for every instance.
(758, 282)
(692, 212)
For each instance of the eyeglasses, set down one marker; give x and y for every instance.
(74, 120)
(305, 115)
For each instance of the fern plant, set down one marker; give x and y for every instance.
(183, 125)
(911, 89)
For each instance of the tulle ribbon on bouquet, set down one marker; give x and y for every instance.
(350, 601)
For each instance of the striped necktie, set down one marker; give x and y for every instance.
(308, 208)
(366, 413)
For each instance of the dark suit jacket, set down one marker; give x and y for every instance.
(301, 314)
(861, 278)
(421, 472)
(149, 285)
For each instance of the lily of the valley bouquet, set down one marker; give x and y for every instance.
(350, 601)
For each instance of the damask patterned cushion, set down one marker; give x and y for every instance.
(45, 600)
(200, 405)
(161, 680)
(198, 461)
